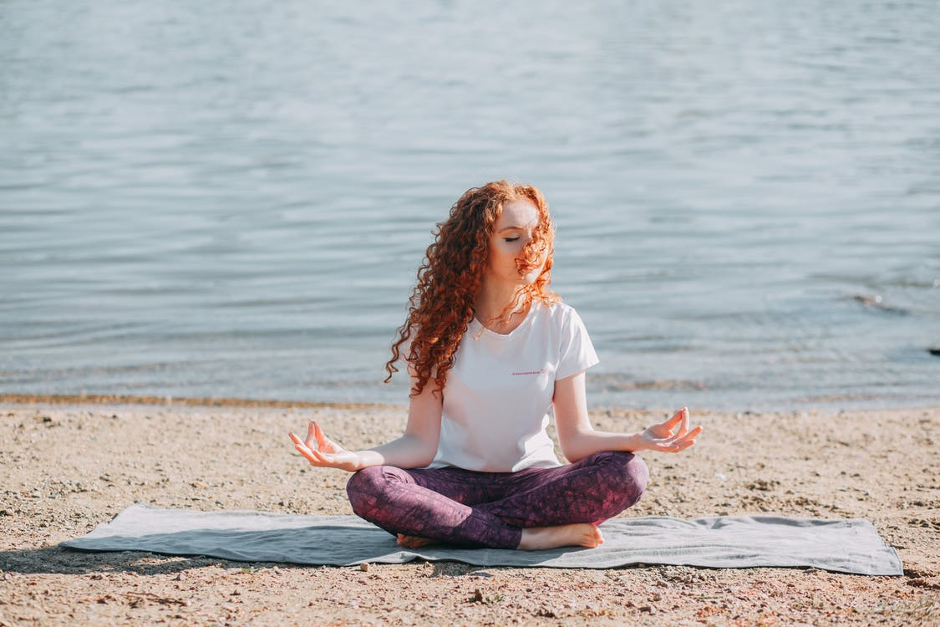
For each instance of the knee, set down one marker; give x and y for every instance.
(365, 490)
(636, 475)
(626, 474)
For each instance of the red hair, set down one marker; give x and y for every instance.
(449, 279)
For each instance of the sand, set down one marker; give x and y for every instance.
(67, 468)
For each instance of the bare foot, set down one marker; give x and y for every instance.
(578, 534)
(413, 542)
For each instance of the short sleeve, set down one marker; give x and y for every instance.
(576, 351)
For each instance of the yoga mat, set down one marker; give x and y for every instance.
(846, 546)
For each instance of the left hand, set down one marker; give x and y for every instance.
(661, 437)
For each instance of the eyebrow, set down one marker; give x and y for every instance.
(512, 228)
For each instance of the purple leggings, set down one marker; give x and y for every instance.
(490, 509)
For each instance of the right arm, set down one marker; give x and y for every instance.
(418, 445)
(416, 448)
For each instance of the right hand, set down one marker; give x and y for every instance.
(324, 452)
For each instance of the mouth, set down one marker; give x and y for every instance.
(525, 268)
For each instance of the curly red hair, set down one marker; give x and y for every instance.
(450, 277)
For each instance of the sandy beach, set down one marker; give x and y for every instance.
(70, 466)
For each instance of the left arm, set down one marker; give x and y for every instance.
(578, 439)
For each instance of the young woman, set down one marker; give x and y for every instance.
(489, 349)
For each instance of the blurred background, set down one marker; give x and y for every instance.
(231, 199)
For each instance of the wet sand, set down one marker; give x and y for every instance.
(70, 466)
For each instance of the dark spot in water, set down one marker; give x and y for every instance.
(875, 302)
(621, 382)
(934, 350)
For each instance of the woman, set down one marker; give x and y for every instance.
(489, 349)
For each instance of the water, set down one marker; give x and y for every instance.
(231, 199)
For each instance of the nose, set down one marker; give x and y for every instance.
(536, 259)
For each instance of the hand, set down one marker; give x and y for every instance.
(660, 437)
(324, 452)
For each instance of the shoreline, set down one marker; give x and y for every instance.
(71, 467)
(237, 402)
(189, 401)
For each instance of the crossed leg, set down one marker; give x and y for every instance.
(530, 509)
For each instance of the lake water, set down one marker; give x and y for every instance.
(230, 199)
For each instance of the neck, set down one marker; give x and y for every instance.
(494, 298)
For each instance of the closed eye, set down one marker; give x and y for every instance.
(510, 239)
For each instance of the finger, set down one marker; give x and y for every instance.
(673, 421)
(682, 447)
(306, 452)
(313, 456)
(309, 442)
(679, 439)
(683, 425)
(325, 459)
(686, 441)
(677, 443)
(295, 439)
(663, 445)
(666, 448)
(321, 439)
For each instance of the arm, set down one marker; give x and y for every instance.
(418, 445)
(578, 439)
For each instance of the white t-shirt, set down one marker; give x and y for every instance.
(499, 391)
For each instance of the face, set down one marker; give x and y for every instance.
(511, 232)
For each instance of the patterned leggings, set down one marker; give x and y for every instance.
(490, 509)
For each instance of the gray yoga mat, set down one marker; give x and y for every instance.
(846, 546)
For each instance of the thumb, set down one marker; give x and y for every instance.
(674, 420)
(322, 440)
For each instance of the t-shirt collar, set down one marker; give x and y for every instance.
(478, 330)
